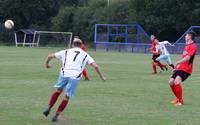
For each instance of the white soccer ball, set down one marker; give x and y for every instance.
(9, 24)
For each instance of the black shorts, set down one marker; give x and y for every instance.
(154, 57)
(184, 75)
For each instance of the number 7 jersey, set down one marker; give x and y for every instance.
(74, 61)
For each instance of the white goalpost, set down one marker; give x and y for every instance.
(35, 38)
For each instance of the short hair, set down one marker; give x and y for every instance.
(77, 42)
(153, 35)
(192, 34)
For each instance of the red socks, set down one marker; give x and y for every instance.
(173, 89)
(154, 67)
(53, 99)
(62, 106)
(160, 65)
(177, 90)
(85, 74)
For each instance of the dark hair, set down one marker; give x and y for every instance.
(77, 44)
(192, 34)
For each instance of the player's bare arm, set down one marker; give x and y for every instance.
(96, 67)
(167, 42)
(186, 58)
(171, 44)
(48, 59)
(150, 50)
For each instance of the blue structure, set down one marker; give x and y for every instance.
(182, 39)
(180, 43)
(132, 38)
(121, 37)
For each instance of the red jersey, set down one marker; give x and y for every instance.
(154, 48)
(153, 45)
(83, 47)
(190, 50)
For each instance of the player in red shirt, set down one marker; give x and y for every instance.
(85, 74)
(183, 68)
(156, 54)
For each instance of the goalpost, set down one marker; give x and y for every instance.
(33, 38)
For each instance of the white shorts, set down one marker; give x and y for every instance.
(165, 58)
(68, 84)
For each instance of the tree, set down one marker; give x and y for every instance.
(168, 19)
(25, 12)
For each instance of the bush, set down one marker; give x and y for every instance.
(81, 20)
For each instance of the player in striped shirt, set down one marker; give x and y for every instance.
(73, 61)
(156, 54)
(165, 55)
(85, 74)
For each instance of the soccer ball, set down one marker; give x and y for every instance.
(9, 24)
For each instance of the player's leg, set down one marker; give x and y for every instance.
(172, 86)
(70, 90)
(158, 62)
(59, 87)
(52, 101)
(54, 97)
(180, 76)
(85, 74)
(162, 58)
(169, 61)
(178, 90)
(154, 67)
(154, 64)
(60, 109)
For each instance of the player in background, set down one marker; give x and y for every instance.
(156, 54)
(183, 68)
(165, 56)
(73, 61)
(85, 74)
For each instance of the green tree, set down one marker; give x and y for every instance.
(26, 13)
(168, 19)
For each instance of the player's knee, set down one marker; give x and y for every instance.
(153, 62)
(59, 91)
(66, 97)
(171, 81)
(177, 80)
(157, 59)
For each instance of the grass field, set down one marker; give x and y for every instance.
(130, 96)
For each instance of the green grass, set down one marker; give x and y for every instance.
(130, 96)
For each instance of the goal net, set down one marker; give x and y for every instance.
(28, 37)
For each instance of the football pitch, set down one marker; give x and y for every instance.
(130, 96)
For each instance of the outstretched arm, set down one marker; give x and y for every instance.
(166, 42)
(186, 58)
(96, 67)
(48, 59)
(170, 44)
